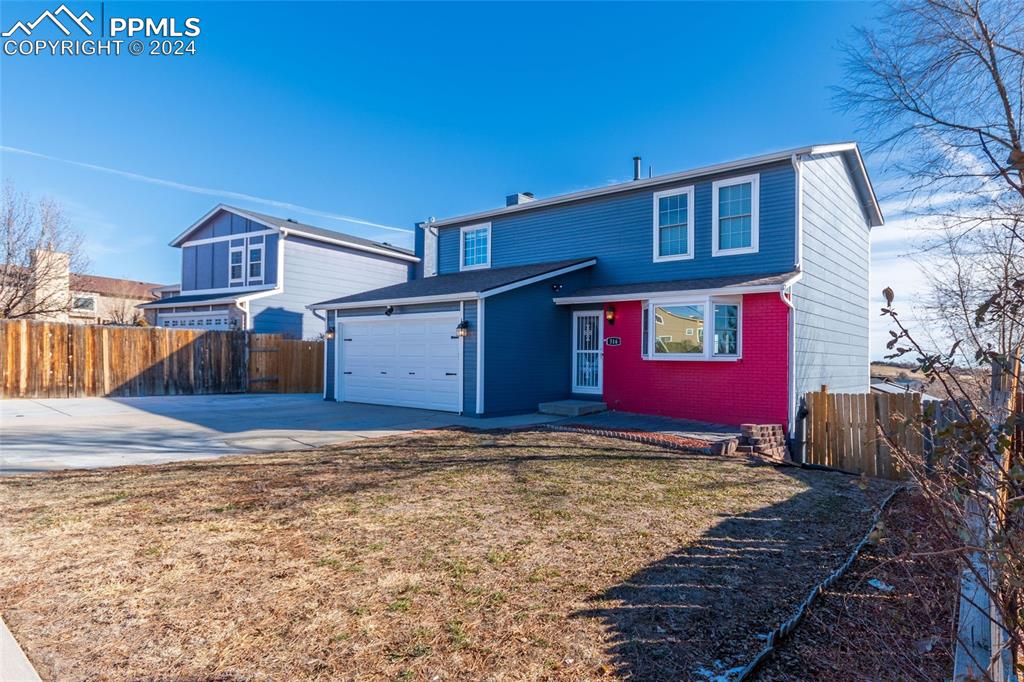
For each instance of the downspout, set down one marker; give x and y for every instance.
(794, 399)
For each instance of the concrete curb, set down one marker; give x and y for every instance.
(14, 664)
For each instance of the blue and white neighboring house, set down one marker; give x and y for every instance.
(249, 271)
(719, 294)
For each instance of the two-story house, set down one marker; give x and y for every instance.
(246, 270)
(718, 294)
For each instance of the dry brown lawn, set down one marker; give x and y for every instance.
(442, 555)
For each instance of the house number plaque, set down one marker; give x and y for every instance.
(613, 341)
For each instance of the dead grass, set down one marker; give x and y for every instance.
(438, 555)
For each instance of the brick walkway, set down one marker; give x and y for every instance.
(683, 434)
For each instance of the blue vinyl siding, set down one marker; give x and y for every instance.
(832, 317)
(527, 349)
(618, 230)
(469, 350)
(329, 357)
(224, 223)
(205, 266)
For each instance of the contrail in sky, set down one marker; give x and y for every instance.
(205, 190)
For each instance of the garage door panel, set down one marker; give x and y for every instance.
(403, 362)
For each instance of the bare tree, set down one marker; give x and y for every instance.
(38, 249)
(123, 311)
(940, 89)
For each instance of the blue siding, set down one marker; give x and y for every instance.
(832, 317)
(469, 350)
(329, 357)
(619, 231)
(205, 266)
(527, 347)
(223, 223)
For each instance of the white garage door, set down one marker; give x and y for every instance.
(410, 362)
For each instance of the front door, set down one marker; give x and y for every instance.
(587, 338)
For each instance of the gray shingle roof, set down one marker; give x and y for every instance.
(462, 284)
(685, 285)
(189, 299)
(321, 232)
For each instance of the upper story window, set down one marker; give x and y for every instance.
(699, 329)
(235, 265)
(255, 262)
(85, 303)
(475, 247)
(734, 219)
(673, 224)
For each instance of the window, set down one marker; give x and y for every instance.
(735, 215)
(678, 332)
(475, 247)
(235, 264)
(673, 225)
(255, 262)
(84, 303)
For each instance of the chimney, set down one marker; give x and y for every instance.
(518, 198)
(51, 284)
(636, 168)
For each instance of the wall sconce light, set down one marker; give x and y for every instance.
(329, 334)
(556, 287)
(462, 329)
(388, 310)
(609, 314)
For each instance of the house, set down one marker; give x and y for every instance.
(900, 388)
(246, 270)
(108, 300)
(47, 290)
(720, 294)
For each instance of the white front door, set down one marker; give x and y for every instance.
(587, 340)
(411, 361)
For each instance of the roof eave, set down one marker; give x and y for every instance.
(734, 290)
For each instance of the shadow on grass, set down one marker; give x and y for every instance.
(698, 612)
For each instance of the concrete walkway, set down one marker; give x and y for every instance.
(74, 433)
(14, 665)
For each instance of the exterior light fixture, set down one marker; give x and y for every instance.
(388, 310)
(609, 314)
(329, 334)
(462, 329)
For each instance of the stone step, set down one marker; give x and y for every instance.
(572, 408)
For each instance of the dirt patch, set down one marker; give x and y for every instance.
(902, 627)
(437, 555)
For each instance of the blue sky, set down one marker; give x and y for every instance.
(394, 112)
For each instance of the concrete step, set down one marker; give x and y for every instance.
(572, 408)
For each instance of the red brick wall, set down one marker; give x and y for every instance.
(752, 389)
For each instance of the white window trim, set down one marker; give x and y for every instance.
(688, 191)
(755, 214)
(462, 247)
(94, 310)
(708, 355)
(232, 250)
(248, 263)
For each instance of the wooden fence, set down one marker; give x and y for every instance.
(61, 360)
(841, 431)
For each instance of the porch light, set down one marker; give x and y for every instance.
(609, 314)
(388, 310)
(462, 329)
(329, 334)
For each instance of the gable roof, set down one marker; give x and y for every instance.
(458, 286)
(849, 150)
(112, 286)
(289, 226)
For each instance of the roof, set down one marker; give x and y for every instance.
(206, 299)
(737, 284)
(303, 230)
(458, 286)
(894, 388)
(850, 151)
(112, 286)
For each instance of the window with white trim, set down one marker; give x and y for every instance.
(735, 215)
(255, 262)
(84, 303)
(475, 247)
(681, 329)
(673, 225)
(236, 267)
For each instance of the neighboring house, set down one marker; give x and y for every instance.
(898, 388)
(720, 294)
(107, 300)
(246, 270)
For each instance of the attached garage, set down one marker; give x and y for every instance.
(407, 360)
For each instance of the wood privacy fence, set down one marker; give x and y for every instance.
(841, 431)
(61, 360)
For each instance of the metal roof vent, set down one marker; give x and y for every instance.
(518, 198)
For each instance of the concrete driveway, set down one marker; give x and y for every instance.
(75, 433)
